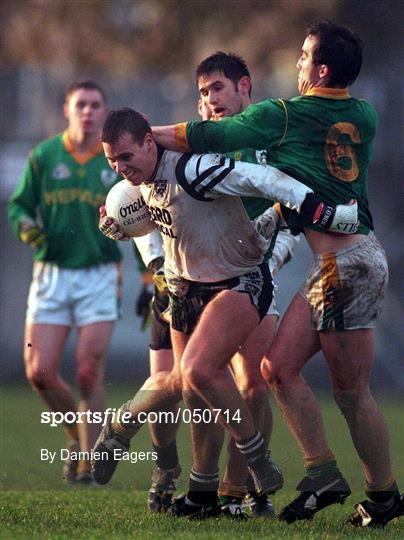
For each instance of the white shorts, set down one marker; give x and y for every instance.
(345, 289)
(73, 297)
(273, 308)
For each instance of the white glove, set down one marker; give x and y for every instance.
(345, 219)
(267, 223)
(282, 252)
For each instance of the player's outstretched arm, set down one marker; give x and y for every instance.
(171, 137)
(204, 174)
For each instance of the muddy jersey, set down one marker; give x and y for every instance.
(66, 189)
(255, 206)
(194, 201)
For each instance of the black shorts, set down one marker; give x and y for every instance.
(160, 329)
(185, 310)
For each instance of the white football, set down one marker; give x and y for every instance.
(125, 203)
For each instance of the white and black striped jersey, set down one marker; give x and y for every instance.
(194, 201)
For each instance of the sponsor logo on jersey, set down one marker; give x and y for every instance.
(160, 187)
(61, 172)
(108, 177)
(261, 156)
(163, 220)
(73, 195)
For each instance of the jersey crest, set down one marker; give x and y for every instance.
(61, 172)
(261, 157)
(160, 188)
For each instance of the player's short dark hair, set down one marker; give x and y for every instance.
(340, 49)
(124, 120)
(231, 65)
(86, 85)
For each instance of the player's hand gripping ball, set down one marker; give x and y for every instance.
(130, 216)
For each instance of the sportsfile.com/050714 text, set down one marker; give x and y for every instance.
(187, 416)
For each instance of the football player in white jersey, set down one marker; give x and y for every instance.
(219, 288)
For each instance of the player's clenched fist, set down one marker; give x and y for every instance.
(30, 233)
(343, 218)
(110, 227)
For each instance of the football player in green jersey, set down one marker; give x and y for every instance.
(326, 135)
(224, 85)
(54, 209)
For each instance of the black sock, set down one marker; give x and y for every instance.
(203, 487)
(252, 447)
(385, 497)
(167, 456)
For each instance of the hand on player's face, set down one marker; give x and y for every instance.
(204, 110)
(308, 73)
(134, 162)
(220, 96)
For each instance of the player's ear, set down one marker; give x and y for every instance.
(66, 110)
(148, 140)
(244, 85)
(323, 71)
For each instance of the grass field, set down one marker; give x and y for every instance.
(34, 502)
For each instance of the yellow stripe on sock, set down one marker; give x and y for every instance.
(382, 486)
(229, 490)
(318, 461)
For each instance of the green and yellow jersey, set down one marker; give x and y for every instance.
(66, 189)
(324, 139)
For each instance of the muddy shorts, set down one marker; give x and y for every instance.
(345, 289)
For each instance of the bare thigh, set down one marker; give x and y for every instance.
(349, 354)
(91, 349)
(43, 348)
(295, 342)
(245, 364)
(161, 360)
(224, 325)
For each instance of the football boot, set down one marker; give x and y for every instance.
(367, 514)
(266, 475)
(316, 494)
(259, 505)
(232, 508)
(183, 507)
(164, 483)
(85, 479)
(70, 465)
(107, 443)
